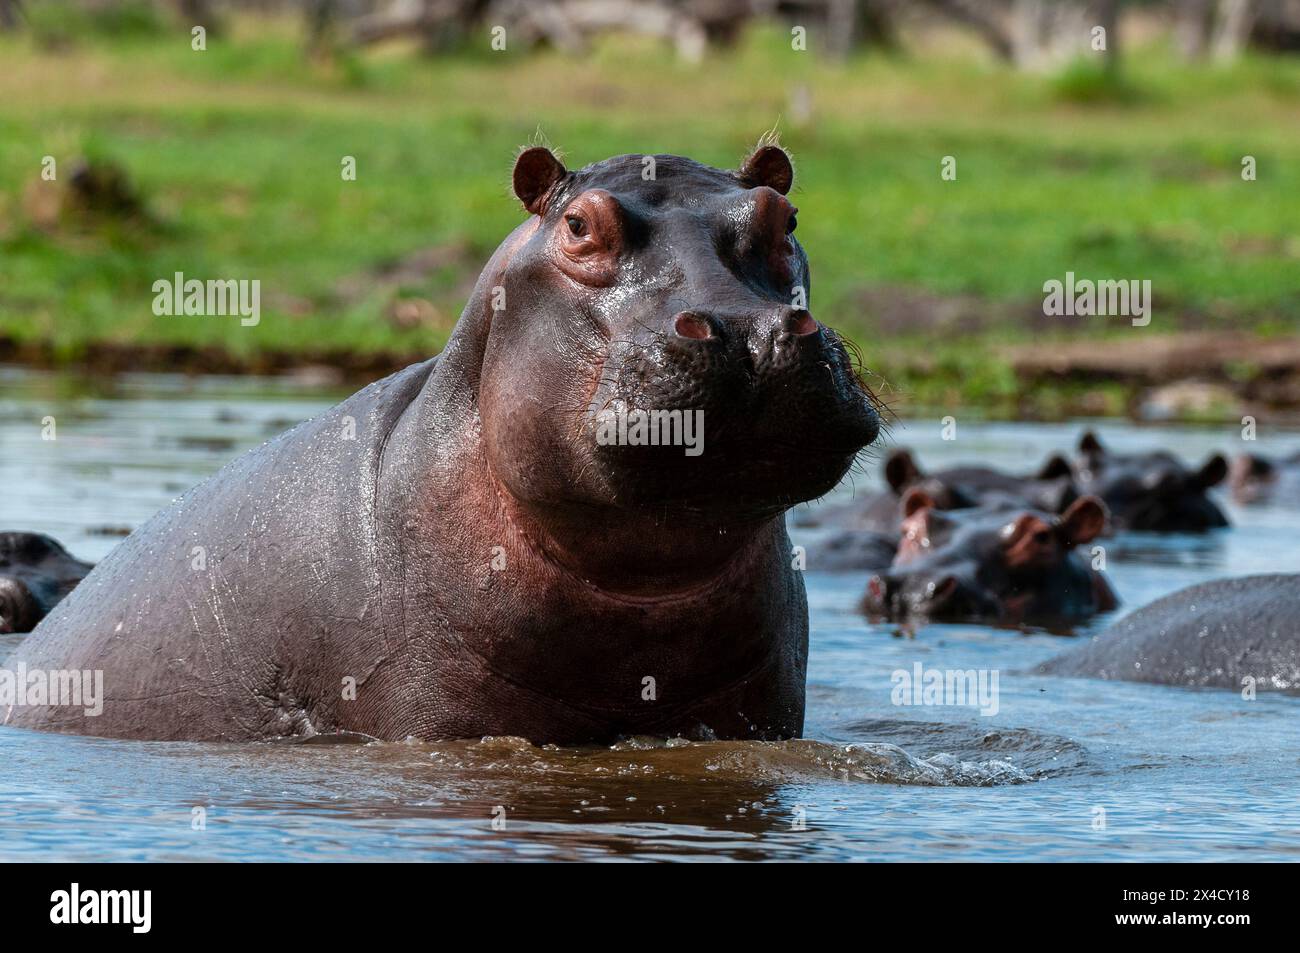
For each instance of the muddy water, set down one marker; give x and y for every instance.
(1065, 769)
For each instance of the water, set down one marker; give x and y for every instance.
(1177, 774)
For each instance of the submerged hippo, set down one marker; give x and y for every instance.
(998, 563)
(853, 550)
(952, 488)
(1153, 491)
(1229, 633)
(484, 543)
(35, 573)
(1258, 479)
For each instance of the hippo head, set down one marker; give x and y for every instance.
(903, 474)
(19, 611)
(35, 573)
(1152, 491)
(996, 563)
(1052, 488)
(653, 347)
(1252, 478)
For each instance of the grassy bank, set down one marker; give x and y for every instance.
(235, 154)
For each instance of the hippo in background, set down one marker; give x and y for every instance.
(1215, 634)
(852, 550)
(35, 573)
(999, 563)
(1051, 489)
(1152, 492)
(1254, 478)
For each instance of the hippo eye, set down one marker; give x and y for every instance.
(791, 225)
(1043, 537)
(577, 226)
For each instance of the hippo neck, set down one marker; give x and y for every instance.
(634, 557)
(612, 549)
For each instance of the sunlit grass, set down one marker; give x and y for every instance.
(237, 152)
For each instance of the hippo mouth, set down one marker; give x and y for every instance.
(732, 434)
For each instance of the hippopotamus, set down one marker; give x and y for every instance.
(1228, 633)
(568, 526)
(951, 488)
(853, 550)
(1154, 491)
(997, 563)
(35, 573)
(1255, 478)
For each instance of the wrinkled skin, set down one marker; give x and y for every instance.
(953, 488)
(1000, 564)
(1215, 634)
(35, 573)
(1255, 478)
(476, 562)
(1151, 492)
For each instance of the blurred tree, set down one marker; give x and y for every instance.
(1049, 33)
(194, 13)
(11, 12)
(1232, 28)
(1277, 25)
(988, 19)
(1037, 34)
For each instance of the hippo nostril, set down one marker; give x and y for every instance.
(693, 326)
(800, 323)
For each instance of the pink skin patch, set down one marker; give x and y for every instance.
(804, 324)
(876, 587)
(692, 326)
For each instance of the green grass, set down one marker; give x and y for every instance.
(237, 152)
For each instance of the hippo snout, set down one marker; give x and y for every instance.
(940, 596)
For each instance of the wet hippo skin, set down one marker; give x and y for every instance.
(1213, 634)
(455, 551)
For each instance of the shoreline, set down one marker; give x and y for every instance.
(1196, 377)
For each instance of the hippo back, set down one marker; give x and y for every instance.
(200, 582)
(1214, 634)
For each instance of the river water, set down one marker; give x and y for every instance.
(1066, 769)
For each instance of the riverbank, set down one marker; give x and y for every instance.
(1200, 377)
(230, 163)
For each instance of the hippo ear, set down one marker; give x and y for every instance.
(1055, 466)
(536, 170)
(1089, 443)
(1212, 472)
(901, 471)
(916, 500)
(769, 165)
(1083, 522)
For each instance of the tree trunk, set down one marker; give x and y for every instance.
(11, 12)
(1236, 20)
(987, 19)
(1192, 30)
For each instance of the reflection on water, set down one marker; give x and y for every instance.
(1066, 769)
